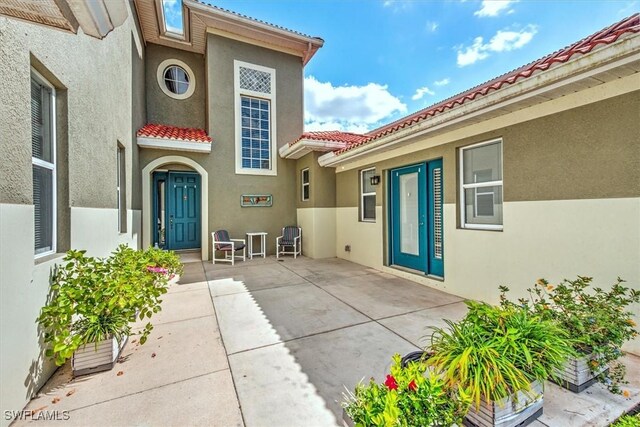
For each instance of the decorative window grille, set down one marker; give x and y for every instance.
(255, 80)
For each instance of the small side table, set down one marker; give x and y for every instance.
(263, 244)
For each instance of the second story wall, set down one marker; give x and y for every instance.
(164, 109)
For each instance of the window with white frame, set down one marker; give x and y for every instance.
(43, 159)
(255, 112)
(367, 196)
(481, 185)
(121, 183)
(304, 179)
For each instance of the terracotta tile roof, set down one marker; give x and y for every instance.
(332, 135)
(604, 37)
(152, 130)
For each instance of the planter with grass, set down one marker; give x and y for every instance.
(499, 358)
(411, 395)
(94, 301)
(597, 323)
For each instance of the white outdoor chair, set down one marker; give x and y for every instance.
(291, 238)
(222, 242)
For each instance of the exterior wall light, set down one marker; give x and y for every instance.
(375, 180)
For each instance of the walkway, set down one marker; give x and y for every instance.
(292, 334)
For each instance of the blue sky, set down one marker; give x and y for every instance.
(384, 59)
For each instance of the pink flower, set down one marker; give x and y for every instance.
(391, 383)
(160, 270)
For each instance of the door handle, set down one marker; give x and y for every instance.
(171, 221)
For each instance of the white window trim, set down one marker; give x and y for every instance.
(363, 194)
(463, 186)
(160, 77)
(303, 184)
(51, 166)
(121, 157)
(238, 118)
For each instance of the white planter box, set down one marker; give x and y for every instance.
(509, 412)
(576, 374)
(98, 357)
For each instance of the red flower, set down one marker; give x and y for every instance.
(412, 385)
(391, 383)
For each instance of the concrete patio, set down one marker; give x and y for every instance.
(274, 343)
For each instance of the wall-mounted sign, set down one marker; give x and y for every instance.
(259, 200)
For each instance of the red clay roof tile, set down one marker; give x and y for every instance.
(332, 135)
(153, 130)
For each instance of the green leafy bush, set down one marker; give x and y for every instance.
(410, 396)
(93, 299)
(595, 319)
(627, 421)
(494, 352)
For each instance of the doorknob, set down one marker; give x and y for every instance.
(171, 220)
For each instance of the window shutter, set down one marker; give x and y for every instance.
(43, 207)
(37, 145)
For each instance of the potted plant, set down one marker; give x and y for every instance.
(93, 302)
(412, 395)
(597, 322)
(499, 357)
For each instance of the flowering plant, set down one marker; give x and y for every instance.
(410, 396)
(595, 319)
(93, 299)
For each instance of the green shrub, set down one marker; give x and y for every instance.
(411, 396)
(494, 352)
(627, 421)
(596, 320)
(93, 299)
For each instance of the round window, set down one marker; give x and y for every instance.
(176, 79)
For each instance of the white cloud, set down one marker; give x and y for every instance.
(502, 41)
(420, 92)
(432, 26)
(397, 5)
(347, 108)
(494, 7)
(442, 82)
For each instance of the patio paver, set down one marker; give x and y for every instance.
(268, 343)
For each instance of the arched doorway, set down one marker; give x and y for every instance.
(148, 196)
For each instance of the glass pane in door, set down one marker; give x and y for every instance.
(409, 227)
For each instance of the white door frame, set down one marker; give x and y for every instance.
(147, 211)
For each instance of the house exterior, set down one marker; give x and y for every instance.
(118, 129)
(533, 174)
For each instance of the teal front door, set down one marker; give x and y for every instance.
(416, 220)
(183, 211)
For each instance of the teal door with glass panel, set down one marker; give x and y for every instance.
(183, 211)
(416, 217)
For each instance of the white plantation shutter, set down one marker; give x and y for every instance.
(43, 166)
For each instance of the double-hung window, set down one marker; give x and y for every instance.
(481, 185)
(255, 111)
(367, 196)
(304, 180)
(43, 160)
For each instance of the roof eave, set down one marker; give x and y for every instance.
(305, 146)
(305, 46)
(545, 82)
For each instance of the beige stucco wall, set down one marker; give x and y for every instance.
(100, 100)
(318, 232)
(225, 186)
(322, 183)
(190, 112)
(572, 203)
